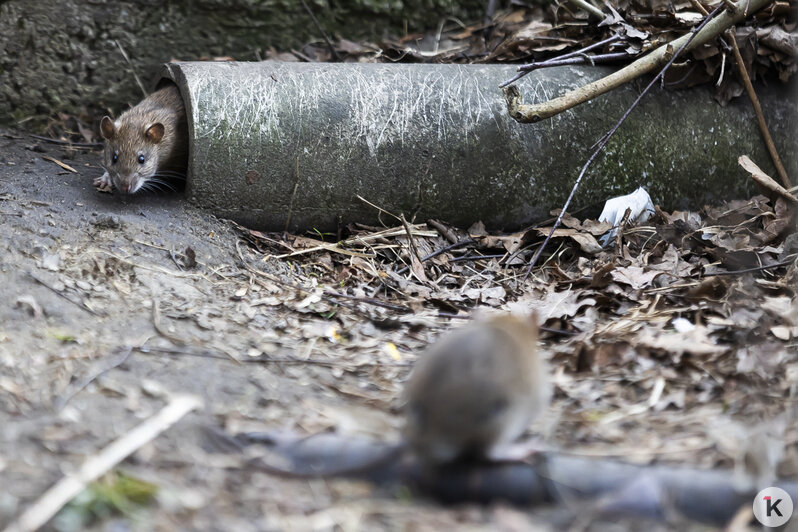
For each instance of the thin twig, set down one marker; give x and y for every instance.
(760, 117)
(74, 389)
(333, 51)
(88, 145)
(785, 262)
(609, 135)
(590, 8)
(478, 257)
(487, 21)
(528, 67)
(132, 68)
(441, 251)
(369, 301)
(380, 209)
(574, 60)
(216, 355)
(80, 304)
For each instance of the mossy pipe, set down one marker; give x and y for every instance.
(292, 145)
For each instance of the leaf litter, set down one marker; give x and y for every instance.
(689, 317)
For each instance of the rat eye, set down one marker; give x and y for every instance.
(141, 159)
(115, 158)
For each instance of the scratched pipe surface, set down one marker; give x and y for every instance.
(291, 145)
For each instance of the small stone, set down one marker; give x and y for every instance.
(107, 221)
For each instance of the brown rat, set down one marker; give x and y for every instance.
(147, 146)
(469, 396)
(476, 390)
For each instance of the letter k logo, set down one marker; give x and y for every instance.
(772, 506)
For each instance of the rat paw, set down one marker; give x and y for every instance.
(103, 183)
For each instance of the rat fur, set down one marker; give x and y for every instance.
(147, 146)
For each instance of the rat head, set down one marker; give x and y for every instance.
(131, 152)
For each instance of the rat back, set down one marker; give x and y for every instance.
(475, 389)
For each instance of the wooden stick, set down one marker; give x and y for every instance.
(68, 487)
(528, 114)
(760, 117)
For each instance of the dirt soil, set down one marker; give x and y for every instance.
(87, 278)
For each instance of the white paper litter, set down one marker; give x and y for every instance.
(638, 201)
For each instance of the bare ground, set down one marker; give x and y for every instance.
(84, 276)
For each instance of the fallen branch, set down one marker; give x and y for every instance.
(525, 69)
(68, 487)
(764, 180)
(528, 114)
(604, 140)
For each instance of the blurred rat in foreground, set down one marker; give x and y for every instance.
(470, 395)
(476, 390)
(146, 148)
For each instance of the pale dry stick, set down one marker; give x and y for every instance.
(749, 88)
(640, 408)
(760, 117)
(380, 209)
(132, 69)
(603, 142)
(40, 512)
(763, 179)
(590, 8)
(63, 165)
(216, 355)
(707, 31)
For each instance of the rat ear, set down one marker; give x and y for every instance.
(107, 128)
(154, 133)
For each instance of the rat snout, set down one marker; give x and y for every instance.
(127, 185)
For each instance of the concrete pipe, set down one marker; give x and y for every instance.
(292, 145)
